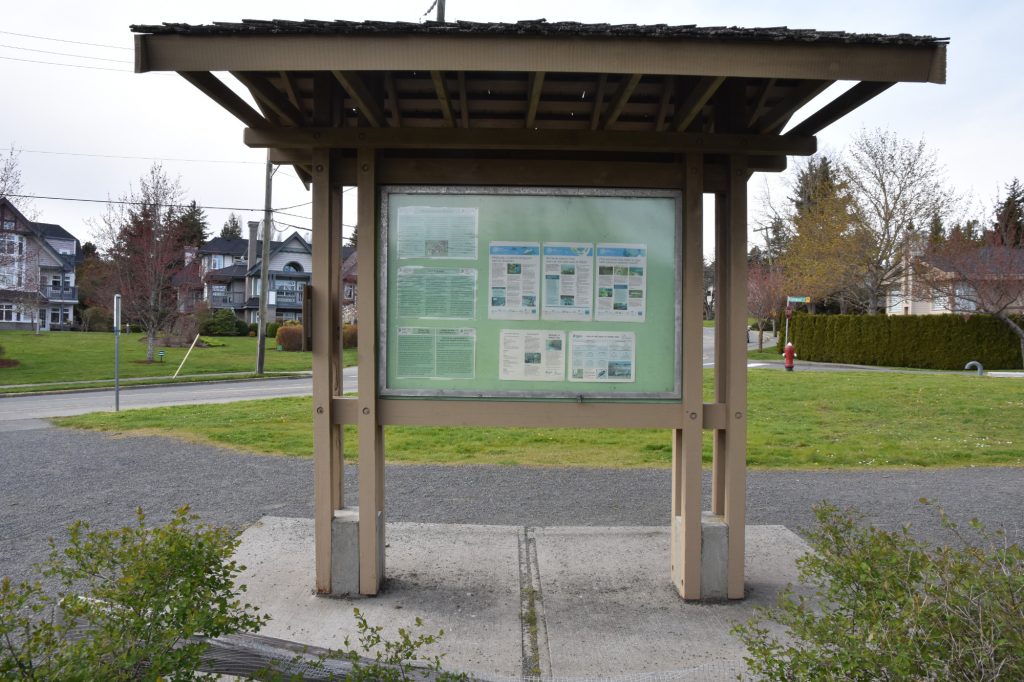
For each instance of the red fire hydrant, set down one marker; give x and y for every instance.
(789, 353)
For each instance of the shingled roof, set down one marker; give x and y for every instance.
(534, 27)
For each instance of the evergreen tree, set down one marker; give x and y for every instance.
(353, 239)
(232, 228)
(1009, 223)
(193, 225)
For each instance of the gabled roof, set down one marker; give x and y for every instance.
(276, 247)
(984, 262)
(227, 247)
(236, 271)
(48, 230)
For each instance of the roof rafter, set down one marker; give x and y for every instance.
(270, 96)
(358, 91)
(212, 87)
(441, 89)
(776, 117)
(389, 87)
(839, 107)
(689, 108)
(533, 98)
(622, 95)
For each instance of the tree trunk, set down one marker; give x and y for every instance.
(760, 337)
(150, 344)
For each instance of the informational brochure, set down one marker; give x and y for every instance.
(437, 232)
(430, 293)
(532, 355)
(514, 280)
(621, 283)
(568, 281)
(430, 353)
(602, 356)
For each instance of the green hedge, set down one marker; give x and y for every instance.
(924, 341)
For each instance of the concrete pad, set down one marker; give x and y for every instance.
(462, 579)
(611, 609)
(605, 604)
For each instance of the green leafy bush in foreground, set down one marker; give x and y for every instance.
(888, 607)
(129, 601)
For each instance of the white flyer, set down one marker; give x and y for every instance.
(436, 293)
(602, 356)
(621, 283)
(568, 281)
(437, 232)
(514, 280)
(532, 355)
(431, 353)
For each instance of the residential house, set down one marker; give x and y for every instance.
(37, 272)
(988, 277)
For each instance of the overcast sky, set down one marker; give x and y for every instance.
(65, 117)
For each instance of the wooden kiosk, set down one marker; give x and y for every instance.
(446, 129)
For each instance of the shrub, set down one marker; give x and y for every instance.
(272, 328)
(924, 341)
(222, 323)
(888, 607)
(241, 328)
(289, 337)
(129, 602)
(253, 329)
(350, 336)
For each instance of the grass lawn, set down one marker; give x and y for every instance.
(60, 357)
(797, 420)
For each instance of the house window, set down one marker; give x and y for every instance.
(6, 312)
(54, 315)
(965, 297)
(216, 262)
(940, 301)
(292, 267)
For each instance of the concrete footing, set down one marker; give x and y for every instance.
(345, 551)
(599, 602)
(714, 556)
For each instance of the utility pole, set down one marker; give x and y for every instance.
(440, 10)
(261, 326)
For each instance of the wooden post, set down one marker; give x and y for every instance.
(325, 363)
(371, 450)
(337, 366)
(687, 442)
(734, 346)
(721, 363)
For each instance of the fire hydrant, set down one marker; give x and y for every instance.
(789, 353)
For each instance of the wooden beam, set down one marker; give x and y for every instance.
(463, 100)
(622, 95)
(664, 102)
(595, 112)
(212, 87)
(839, 107)
(291, 87)
(441, 89)
(689, 108)
(273, 98)
(389, 87)
(365, 102)
(775, 118)
(553, 54)
(521, 139)
(533, 98)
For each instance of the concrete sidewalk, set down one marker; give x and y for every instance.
(600, 598)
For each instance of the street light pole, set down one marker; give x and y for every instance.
(261, 325)
(117, 352)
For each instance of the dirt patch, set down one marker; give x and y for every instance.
(8, 363)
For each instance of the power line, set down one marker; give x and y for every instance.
(75, 66)
(141, 158)
(67, 54)
(61, 40)
(143, 203)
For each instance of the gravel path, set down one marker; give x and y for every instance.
(49, 477)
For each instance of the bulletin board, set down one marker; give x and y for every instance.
(530, 293)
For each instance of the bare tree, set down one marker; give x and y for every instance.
(897, 187)
(142, 240)
(11, 183)
(766, 297)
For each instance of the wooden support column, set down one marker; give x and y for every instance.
(371, 445)
(337, 375)
(326, 362)
(731, 369)
(687, 442)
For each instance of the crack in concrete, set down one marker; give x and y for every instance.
(536, 655)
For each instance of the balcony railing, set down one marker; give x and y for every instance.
(59, 293)
(289, 297)
(229, 300)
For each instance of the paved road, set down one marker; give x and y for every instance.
(50, 477)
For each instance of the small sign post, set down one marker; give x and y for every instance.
(790, 300)
(117, 352)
